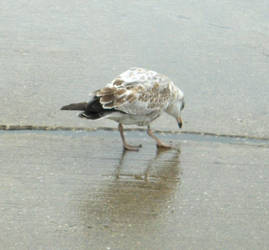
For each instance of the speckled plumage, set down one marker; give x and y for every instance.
(142, 95)
(137, 96)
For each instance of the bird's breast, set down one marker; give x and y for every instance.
(130, 119)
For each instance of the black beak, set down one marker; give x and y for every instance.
(179, 122)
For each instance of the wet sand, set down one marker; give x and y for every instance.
(79, 190)
(61, 188)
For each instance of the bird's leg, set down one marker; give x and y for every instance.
(125, 145)
(159, 144)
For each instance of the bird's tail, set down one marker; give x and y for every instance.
(75, 106)
(90, 110)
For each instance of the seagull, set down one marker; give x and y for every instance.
(136, 97)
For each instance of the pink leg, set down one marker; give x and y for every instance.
(159, 143)
(125, 145)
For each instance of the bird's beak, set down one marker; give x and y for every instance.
(179, 122)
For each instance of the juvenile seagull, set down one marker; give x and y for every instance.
(137, 96)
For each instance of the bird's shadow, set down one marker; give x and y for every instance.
(139, 190)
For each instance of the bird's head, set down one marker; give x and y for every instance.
(175, 108)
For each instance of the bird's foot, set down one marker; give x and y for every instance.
(162, 145)
(132, 147)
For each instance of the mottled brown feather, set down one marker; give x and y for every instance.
(105, 91)
(120, 91)
(155, 87)
(131, 98)
(106, 99)
(118, 82)
(120, 101)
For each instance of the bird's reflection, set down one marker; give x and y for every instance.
(140, 190)
(166, 168)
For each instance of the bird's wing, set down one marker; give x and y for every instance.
(137, 91)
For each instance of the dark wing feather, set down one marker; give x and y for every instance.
(94, 109)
